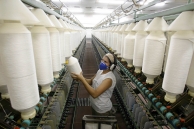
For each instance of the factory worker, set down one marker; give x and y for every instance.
(101, 86)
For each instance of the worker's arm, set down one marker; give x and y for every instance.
(89, 81)
(94, 92)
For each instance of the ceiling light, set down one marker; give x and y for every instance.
(111, 1)
(104, 11)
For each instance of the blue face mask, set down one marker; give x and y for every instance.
(103, 66)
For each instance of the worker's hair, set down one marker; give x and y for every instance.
(112, 60)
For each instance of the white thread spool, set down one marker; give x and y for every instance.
(67, 47)
(114, 39)
(3, 85)
(153, 55)
(179, 56)
(73, 65)
(190, 80)
(59, 27)
(139, 45)
(124, 34)
(67, 34)
(17, 57)
(129, 42)
(154, 49)
(118, 42)
(19, 66)
(55, 48)
(42, 50)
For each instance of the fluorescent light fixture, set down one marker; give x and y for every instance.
(103, 11)
(75, 10)
(111, 1)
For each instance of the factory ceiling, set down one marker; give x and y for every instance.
(91, 12)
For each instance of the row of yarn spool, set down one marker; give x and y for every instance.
(146, 48)
(29, 58)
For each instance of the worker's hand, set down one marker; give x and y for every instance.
(77, 76)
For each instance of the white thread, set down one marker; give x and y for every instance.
(67, 45)
(190, 80)
(42, 17)
(73, 65)
(154, 54)
(42, 54)
(129, 43)
(18, 63)
(139, 48)
(17, 11)
(178, 62)
(55, 49)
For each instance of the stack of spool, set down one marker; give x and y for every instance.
(140, 37)
(3, 85)
(124, 34)
(16, 52)
(109, 37)
(42, 50)
(114, 39)
(118, 42)
(73, 65)
(67, 45)
(62, 42)
(154, 49)
(72, 38)
(55, 45)
(179, 56)
(129, 42)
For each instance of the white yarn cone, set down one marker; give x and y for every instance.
(129, 42)
(190, 80)
(42, 17)
(112, 37)
(3, 85)
(129, 48)
(73, 65)
(67, 45)
(60, 28)
(42, 50)
(153, 55)
(180, 55)
(42, 55)
(55, 46)
(178, 63)
(124, 34)
(180, 22)
(19, 66)
(15, 10)
(119, 40)
(154, 49)
(139, 45)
